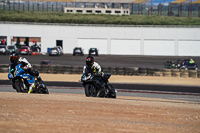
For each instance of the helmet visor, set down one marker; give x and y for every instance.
(89, 63)
(12, 58)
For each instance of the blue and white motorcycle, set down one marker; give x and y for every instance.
(22, 81)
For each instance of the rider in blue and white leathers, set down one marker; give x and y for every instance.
(15, 59)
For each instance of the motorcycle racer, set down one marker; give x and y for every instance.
(92, 67)
(15, 59)
(93, 73)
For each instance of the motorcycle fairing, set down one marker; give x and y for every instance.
(28, 77)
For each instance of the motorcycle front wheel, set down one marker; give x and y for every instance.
(89, 90)
(19, 86)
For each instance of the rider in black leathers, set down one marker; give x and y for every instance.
(93, 68)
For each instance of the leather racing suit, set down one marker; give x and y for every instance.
(25, 65)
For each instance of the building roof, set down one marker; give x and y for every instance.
(196, 2)
(178, 1)
(139, 1)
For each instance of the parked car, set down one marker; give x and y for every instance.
(78, 51)
(45, 63)
(54, 51)
(60, 50)
(93, 51)
(12, 48)
(4, 49)
(186, 64)
(25, 50)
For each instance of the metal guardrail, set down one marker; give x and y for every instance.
(129, 71)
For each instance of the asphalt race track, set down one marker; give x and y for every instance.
(136, 91)
(112, 60)
(105, 60)
(194, 90)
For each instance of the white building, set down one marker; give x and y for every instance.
(122, 40)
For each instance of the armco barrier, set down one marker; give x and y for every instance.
(131, 71)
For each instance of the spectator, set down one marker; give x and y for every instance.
(191, 61)
(3, 41)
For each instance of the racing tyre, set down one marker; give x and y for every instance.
(101, 93)
(19, 86)
(112, 93)
(43, 89)
(89, 90)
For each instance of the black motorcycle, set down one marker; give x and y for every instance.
(98, 86)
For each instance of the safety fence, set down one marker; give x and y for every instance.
(178, 8)
(129, 71)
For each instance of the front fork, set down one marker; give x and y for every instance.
(93, 91)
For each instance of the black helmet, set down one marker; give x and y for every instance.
(14, 56)
(89, 61)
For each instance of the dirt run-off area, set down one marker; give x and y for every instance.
(76, 113)
(58, 113)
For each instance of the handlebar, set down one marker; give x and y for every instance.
(84, 77)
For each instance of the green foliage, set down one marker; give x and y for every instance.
(52, 17)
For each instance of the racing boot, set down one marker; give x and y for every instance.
(31, 88)
(40, 80)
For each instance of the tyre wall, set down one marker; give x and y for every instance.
(129, 71)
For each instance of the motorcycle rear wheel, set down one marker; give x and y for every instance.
(101, 93)
(43, 91)
(112, 93)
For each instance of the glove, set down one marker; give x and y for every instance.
(82, 78)
(102, 73)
